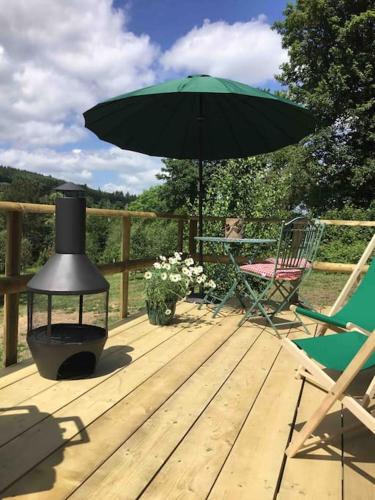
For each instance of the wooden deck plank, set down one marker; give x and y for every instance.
(253, 466)
(316, 473)
(174, 363)
(34, 384)
(85, 436)
(133, 465)
(359, 450)
(359, 465)
(61, 393)
(194, 466)
(14, 373)
(26, 450)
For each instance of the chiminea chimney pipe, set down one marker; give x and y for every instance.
(70, 225)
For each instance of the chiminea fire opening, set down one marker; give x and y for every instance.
(68, 299)
(77, 366)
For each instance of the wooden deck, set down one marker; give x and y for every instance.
(198, 409)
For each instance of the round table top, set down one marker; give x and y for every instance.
(222, 239)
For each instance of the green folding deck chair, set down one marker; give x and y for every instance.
(357, 311)
(348, 353)
(281, 277)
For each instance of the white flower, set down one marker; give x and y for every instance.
(168, 312)
(199, 279)
(175, 277)
(157, 265)
(203, 278)
(166, 266)
(186, 271)
(197, 270)
(189, 262)
(148, 275)
(163, 276)
(211, 284)
(162, 258)
(172, 260)
(177, 255)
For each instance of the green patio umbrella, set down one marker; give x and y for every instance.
(200, 117)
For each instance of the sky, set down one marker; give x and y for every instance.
(61, 57)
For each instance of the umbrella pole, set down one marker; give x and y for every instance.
(200, 210)
(200, 182)
(197, 297)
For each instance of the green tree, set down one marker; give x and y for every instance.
(181, 182)
(331, 48)
(153, 199)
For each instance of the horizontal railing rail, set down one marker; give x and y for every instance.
(36, 208)
(14, 283)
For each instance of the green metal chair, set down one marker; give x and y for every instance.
(356, 311)
(283, 275)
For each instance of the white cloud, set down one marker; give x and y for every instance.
(58, 58)
(247, 51)
(125, 170)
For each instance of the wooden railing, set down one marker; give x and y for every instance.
(13, 283)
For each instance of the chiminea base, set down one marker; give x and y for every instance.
(71, 351)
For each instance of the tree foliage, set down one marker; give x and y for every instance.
(180, 178)
(331, 47)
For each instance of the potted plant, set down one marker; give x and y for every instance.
(170, 280)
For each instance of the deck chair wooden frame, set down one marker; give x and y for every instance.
(352, 282)
(335, 390)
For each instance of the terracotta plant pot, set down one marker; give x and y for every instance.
(156, 313)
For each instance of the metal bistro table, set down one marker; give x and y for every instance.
(228, 245)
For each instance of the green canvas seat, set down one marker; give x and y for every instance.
(335, 352)
(359, 309)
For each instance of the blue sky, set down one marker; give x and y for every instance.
(167, 20)
(62, 57)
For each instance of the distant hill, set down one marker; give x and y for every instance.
(29, 187)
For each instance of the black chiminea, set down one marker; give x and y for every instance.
(63, 348)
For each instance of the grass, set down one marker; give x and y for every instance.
(320, 289)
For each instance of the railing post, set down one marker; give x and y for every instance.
(125, 253)
(11, 300)
(180, 236)
(193, 230)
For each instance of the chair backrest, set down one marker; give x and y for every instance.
(298, 243)
(361, 302)
(360, 305)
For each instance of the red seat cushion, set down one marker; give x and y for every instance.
(302, 263)
(267, 269)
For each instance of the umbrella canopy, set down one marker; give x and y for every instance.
(200, 117)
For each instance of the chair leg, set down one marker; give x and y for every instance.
(311, 424)
(256, 301)
(370, 393)
(227, 296)
(302, 322)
